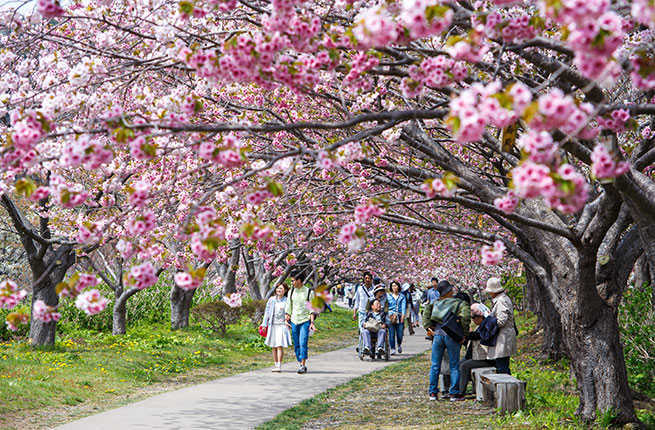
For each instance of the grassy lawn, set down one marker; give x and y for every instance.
(396, 397)
(89, 371)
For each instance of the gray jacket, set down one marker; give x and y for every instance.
(503, 310)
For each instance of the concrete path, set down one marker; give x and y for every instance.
(246, 400)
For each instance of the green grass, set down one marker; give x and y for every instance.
(397, 394)
(87, 371)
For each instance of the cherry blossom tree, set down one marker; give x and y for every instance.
(499, 122)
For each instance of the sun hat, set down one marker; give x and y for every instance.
(405, 287)
(494, 286)
(378, 289)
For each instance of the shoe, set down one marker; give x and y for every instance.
(380, 352)
(400, 350)
(433, 397)
(456, 397)
(367, 350)
(393, 352)
(445, 396)
(303, 369)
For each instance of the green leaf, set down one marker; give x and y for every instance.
(25, 187)
(275, 188)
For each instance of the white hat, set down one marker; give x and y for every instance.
(494, 286)
(405, 287)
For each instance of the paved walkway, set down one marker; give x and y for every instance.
(246, 400)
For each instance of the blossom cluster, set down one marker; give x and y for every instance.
(507, 203)
(492, 255)
(45, 313)
(142, 276)
(480, 105)
(49, 8)
(557, 110)
(223, 152)
(616, 122)
(604, 165)
(435, 187)
(187, 281)
(10, 294)
(366, 211)
(433, 72)
(28, 128)
(210, 234)
(14, 319)
(564, 189)
(77, 284)
(512, 26)
(141, 223)
(233, 300)
(91, 302)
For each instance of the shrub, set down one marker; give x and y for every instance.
(254, 310)
(217, 315)
(636, 319)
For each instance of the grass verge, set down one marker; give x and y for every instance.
(88, 371)
(396, 397)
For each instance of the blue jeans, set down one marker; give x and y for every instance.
(300, 335)
(396, 332)
(439, 344)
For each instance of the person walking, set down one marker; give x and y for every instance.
(416, 304)
(433, 316)
(429, 298)
(363, 294)
(503, 310)
(299, 319)
(396, 316)
(277, 336)
(477, 354)
(409, 322)
(350, 294)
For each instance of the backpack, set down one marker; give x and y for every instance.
(441, 308)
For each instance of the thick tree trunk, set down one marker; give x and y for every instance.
(229, 285)
(180, 307)
(43, 333)
(598, 363)
(552, 346)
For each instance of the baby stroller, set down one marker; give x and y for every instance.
(373, 353)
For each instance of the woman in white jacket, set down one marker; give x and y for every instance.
(277, 336)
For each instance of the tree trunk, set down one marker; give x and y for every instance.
(118, 325)
(229, 285)
(552, 345)
(598, 363)
(43, 333)
(180, 307)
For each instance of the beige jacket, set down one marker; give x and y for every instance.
(479, 351)
(503, 310)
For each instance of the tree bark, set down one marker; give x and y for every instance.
(180, 307)
(552, 345)
(118, 325)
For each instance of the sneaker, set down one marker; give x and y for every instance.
(433, 397)
(456, 397)
(303, 369)
(393, 351)
(445, 396)
(380, 352)
(400, 350)
(367, 350)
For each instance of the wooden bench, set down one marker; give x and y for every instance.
(476, 382)
(504, 391)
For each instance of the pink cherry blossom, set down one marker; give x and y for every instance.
(10, 294)
(507, 203)
(91, 302)
(44, 313)
(604, 164)
(142, 276)
(492, 255)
